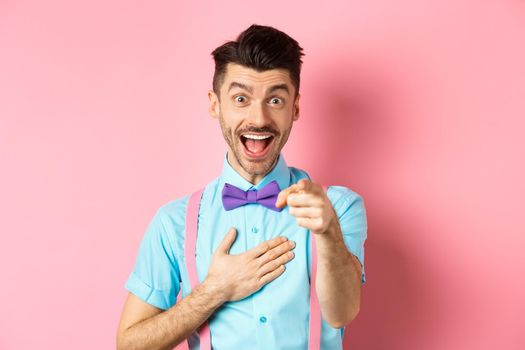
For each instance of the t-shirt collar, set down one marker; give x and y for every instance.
(279, 173)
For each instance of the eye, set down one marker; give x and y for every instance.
(240, 99)
(276, 100)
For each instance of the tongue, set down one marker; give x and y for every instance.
(255, 146)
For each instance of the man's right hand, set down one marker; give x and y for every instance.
(234, 277)
(230, 277)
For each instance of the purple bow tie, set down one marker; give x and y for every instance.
(233, 197)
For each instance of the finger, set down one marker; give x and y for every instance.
(283, 195)
(302, 186)
(304, 200)
(274, 264)
(306, 212)
(227, 241)
(276, 252)
(314, 224)
(271, 275)
(265, 246)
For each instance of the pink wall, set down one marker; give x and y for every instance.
(418, 106)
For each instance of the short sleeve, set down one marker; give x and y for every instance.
(156, 276)
(350, 209)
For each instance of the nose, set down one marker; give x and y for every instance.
(259, 115)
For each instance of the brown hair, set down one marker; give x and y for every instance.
(261, 48)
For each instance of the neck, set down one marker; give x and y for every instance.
(254, 179)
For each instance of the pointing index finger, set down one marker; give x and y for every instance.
(302, 185)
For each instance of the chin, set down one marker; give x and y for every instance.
(254, 166)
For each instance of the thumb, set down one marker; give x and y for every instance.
(228, 240)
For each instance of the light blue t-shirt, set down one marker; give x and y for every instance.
(276, 316)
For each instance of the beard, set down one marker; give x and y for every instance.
(254, 167)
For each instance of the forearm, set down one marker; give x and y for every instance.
(338, 278)
(173, 326)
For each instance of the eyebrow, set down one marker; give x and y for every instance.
(274, 88)
(235, 84)
(279, 87)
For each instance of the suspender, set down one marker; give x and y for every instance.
(190, 242)
(192, 215)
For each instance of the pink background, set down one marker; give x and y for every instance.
(419, 106)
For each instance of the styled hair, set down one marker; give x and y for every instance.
(260, 48)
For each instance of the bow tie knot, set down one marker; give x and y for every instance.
(233, 197)
(251, 196)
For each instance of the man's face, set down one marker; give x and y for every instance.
(256, 111)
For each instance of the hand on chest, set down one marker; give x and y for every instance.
(255, 224)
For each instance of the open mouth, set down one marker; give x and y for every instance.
(256, 145)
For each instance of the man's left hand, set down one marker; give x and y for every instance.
(310, 205)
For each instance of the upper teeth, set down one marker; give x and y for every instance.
(257, 137)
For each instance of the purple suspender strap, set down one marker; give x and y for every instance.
(192, 215)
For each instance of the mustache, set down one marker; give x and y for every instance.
(265, 129)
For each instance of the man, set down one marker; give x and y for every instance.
(252, 259)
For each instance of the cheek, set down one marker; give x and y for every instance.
(284, 122)
(234, 113)
(282, 117)
(231, 118)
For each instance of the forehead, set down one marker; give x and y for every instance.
(258, 80)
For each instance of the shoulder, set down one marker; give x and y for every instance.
(336, 193)
(165, 231)
(347, 202)
(173, 212)
(170, 215)
(343, 198)
(297, 174)
(343, 195)
(168, 224)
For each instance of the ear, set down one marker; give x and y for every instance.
(296, 108)
(214, 107)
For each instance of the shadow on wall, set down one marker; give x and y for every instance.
(360, 109)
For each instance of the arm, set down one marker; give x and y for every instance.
(338, 271)
(143, 326)
(230, 277)
(338, 278)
